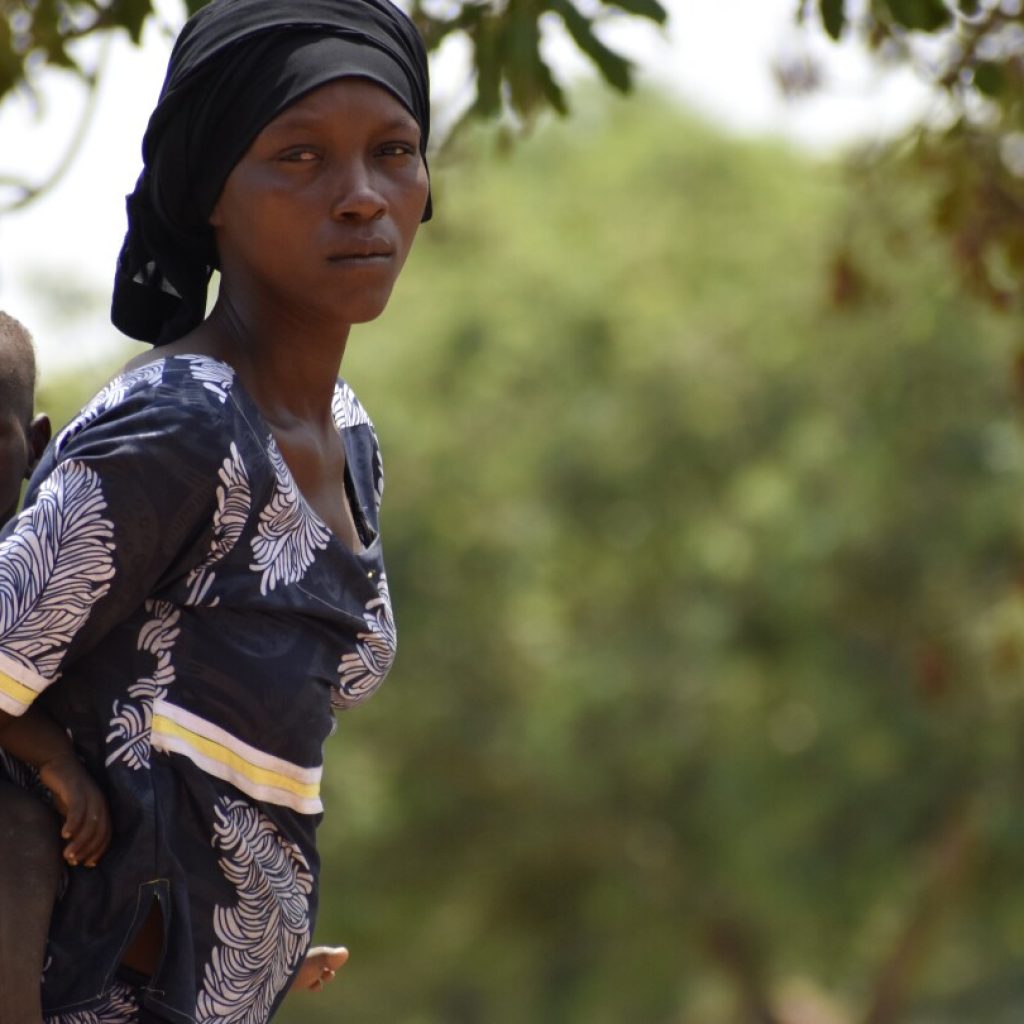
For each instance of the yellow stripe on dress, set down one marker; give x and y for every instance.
(21, 682)
(217, 752)
(15, 697)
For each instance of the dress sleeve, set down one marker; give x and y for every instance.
(117, 508)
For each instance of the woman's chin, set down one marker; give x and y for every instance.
(368, 308)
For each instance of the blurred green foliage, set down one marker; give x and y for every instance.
(706, 551)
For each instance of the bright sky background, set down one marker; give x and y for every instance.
(716, 56)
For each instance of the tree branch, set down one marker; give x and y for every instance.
(28, 193)
(949, 857)
(735, 949)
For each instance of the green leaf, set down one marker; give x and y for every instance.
(435, 30)
(553, 92)
(644, 9)
(920, 15)
(58, 57)
(968, 7)
(990, 78)
(12, 68)
(616, 70)
(131, 15)
(487, 59)
(522, 52)
(833, 17)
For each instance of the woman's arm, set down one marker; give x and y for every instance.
(38, 741)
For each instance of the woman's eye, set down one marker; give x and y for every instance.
(397, 149)
(300, 156)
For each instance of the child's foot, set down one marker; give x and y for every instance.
(318, 968)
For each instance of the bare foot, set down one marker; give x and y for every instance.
(318, 968)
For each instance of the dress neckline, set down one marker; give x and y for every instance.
(367, 536)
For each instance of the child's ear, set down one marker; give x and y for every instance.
(39, 431)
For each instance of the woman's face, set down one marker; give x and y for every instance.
(320, 213)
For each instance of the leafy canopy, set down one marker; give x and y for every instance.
(972, 52)
(511, 71)
(512, 78)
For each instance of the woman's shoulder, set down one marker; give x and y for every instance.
(160, 396)
(184, 376)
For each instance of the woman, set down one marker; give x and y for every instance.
(196, 579)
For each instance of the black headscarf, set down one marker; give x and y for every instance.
(236, 65)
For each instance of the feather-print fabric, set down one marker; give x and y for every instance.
(171, 599)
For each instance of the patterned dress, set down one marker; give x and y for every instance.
(172, 600)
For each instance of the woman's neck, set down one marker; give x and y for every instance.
(289, 368)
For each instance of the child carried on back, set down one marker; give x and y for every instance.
(29, 829)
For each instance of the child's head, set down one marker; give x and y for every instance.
(22, 437)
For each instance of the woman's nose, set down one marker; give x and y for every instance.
(356, 197)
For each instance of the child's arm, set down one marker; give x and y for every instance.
(38, 741)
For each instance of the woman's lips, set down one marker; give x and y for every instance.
(360, 261)
(339, 257)
(358, 250)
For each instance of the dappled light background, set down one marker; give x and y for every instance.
(703, 521)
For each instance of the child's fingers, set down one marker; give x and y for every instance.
(84, 846)
(318, 967)
(95, 835)
(100, 842)
(74, 829)
(78, 848)
(87, 827)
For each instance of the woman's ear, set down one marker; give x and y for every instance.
(39, 432)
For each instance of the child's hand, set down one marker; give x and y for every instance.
(319, 967)
(83, 807)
